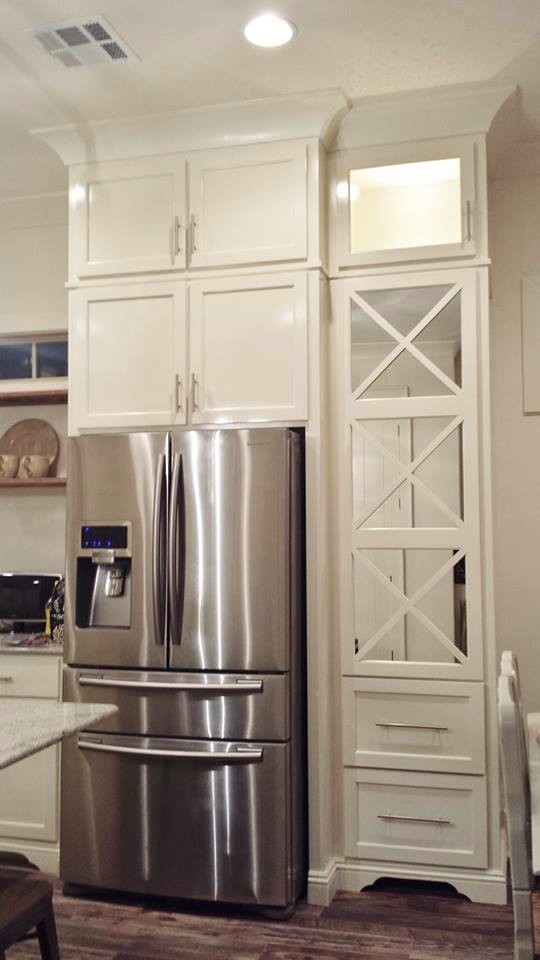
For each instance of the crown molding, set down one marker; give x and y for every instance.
(425, 114)
(303, 115)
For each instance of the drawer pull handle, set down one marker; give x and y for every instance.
(6, 678)
(411, 726)
(391, 816)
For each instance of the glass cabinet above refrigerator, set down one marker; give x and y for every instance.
(404, 202)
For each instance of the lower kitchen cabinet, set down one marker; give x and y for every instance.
(420, 818)
(29, 789)
(141, 357)
(413, 724)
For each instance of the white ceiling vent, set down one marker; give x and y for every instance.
(82, 42)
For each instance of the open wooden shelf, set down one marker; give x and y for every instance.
(33, 482)
(20, 398)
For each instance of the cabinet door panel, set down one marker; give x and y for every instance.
(127, 217)
(248, 349)
(127, 348)
(248, 205)
(404, 202)
(29, 792)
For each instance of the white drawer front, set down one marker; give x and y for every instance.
(416, 817)
(30, 675)
(414, 725)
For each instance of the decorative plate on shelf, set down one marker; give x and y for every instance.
(32, 437)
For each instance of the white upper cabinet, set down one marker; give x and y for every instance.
(407, 202)
(248, 348)
(245, 205)
(248, 205)
(127, 217)
(247, 358)
(127, 349)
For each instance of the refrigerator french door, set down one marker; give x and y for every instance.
(184, 606)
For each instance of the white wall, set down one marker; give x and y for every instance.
(33, 271)
(514, 227)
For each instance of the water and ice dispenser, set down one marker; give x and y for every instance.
(103, 592)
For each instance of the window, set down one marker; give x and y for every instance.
(33, 359)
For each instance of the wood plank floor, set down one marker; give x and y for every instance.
(389, 921)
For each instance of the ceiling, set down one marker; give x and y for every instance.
(192, 53)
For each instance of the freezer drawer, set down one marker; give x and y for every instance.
(198, 705)
(181, 818)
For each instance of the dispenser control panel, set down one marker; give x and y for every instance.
(94, 536)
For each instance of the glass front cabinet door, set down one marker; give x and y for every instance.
(409, 476)
(410, 203)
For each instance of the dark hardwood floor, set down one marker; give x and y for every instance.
(390, 921)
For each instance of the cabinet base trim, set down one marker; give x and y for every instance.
(487, 886)
(46, 857)
(323, 884)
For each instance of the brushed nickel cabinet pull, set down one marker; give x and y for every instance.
(194, 228)
(392, 816)
(179, 391)
(195, 392)
(468, 220)
(410, 726)
(177, 236)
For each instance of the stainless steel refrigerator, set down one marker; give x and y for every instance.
(185, 607)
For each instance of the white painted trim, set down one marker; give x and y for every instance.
(481, 886)
(323, 884)
(421, 114)
(45, 856)
(313, 114)
(41, 210)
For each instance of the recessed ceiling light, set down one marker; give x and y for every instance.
(269, 31)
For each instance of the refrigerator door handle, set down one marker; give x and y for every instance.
(240, 686)
(158, 580)
(173, 567)
(241, 755)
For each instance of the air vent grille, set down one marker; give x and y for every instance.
(83, 42)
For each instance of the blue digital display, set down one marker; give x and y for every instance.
(104, 537)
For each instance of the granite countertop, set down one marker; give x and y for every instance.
(28, 724)
(27, 643)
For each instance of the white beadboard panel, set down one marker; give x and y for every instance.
(414, 724)
(416, 817)
(530, 327)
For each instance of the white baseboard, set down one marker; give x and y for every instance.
(47, 858)
(487, 886)
(323, 884)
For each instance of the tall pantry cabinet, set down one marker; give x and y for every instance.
(410, 432)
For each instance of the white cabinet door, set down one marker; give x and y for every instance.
(248, 349)
(127, 356)
(404, 202)
(29, 788)
(248, 204)
(29, 797)
(127, 216)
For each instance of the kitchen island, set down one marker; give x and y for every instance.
(29, 724)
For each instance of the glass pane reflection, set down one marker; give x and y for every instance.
(379, 317)
(386, 629)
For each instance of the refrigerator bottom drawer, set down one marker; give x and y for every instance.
(207, 820)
